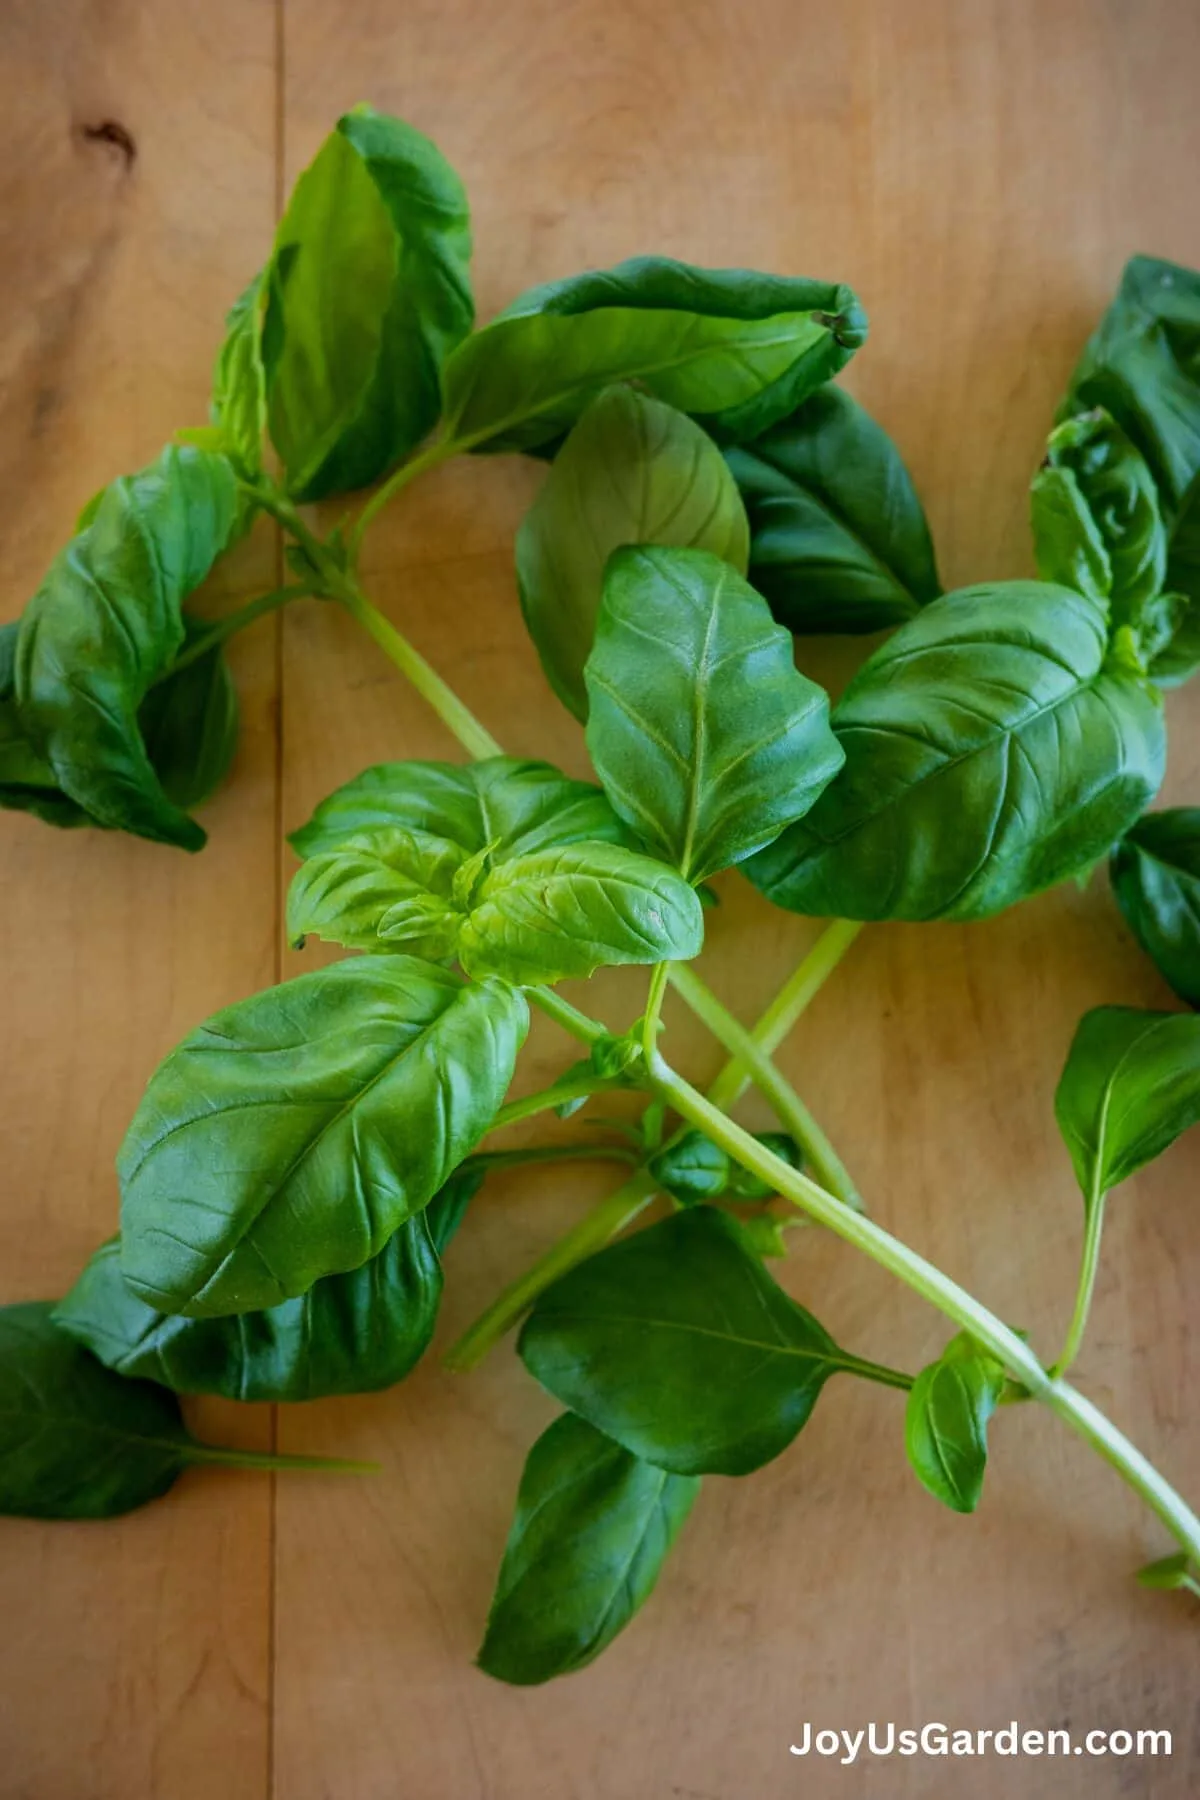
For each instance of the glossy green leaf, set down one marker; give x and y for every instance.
(678, 1344)
(1181, 657)
(632, 471)
(239, 399)
(27, 781)
(1097, 524)
(946, 1421)
(1130, 1087)
(706, 737)
(692, 1169)
(991, 751)
(368, 293)
(349, 1334)
(290, 1136)
(107, 622)
(500, 804)
(1141, 366)
(839, 540)
(592, 1529)
(734, 348)
(380, 887)
(1155, 872)
(189, 724)
(1172, 1572)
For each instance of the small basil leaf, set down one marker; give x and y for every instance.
(566, 912)
(1172, 1572)
(678, 1344)
(500, 804)
(745, 1186)
(838, 537)
(705, 735)
(189, 724)
(349, 1334)
(692, 1169)
(27, 781)
(991, 751)
(379, 889)
(592, 1529)
(632, 471)
(1140, 365)
(1155, 873)
(1097, 525)
(239, 398)
(1130, 1087)
(734, 348)
(107, 621)
(290, 1136)
(946, 1421)
(368, 292)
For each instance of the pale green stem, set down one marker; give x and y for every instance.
(588, 1031)
(222, 629)
(558, 1094)
(271, 1460)
(552, 1153)
(428, 459)
(1089, 1264)
(458, 719)
(654, 999)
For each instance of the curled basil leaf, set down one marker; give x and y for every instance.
(1155, 872)
(734, 348)
(288, 1137)
(379, 888)
(991, 751)
(107, 623)
(27, 781)
(239, 396)
(1129, 1088)
(1180, 658)
(592, 1529)
(632, 471)
(838, 537)
(189, 723)
(946, 1421)
(707, 738)
(1097, 524)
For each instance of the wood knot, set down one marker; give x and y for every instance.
(111, 131)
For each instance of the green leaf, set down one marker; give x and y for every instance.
(239, 398)
(189, 724)
(1172, 1572)
(678, 1344)
(380, 888)
(592, 1529)
(945, 1425)
(734, 348)
(838, 537)
(349, 1334)
(291, 1135)
(1130, 1087)
(1141, 365)
(1096, 519)
(1181, 657)
(692, 1169)
(107, 622)
(78, 1442)
(706, 737)
(1155, 872)
(368, 293)
(745, 1186)
(632, 471)
(27, 781)
(990, 752)
(500, 804)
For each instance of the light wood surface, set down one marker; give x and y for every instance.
(978, 171)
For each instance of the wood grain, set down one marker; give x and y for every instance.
(978, 171)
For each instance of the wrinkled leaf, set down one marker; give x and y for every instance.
(189, 724)
(1130, 1087)
(1097, 524)
(946, 1421)
(288, 1137)
(592, 1529)
(706, 737)
(27, 781)
(1155, 873)
(380, 887)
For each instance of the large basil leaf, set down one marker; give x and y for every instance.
(107, 622)
(946, 1421)
(990, 751)
(632, 471)
(838, 536)
(77, 1441)
(1130, 1086)
(291, 1135)
(734, 348)
(1155, 873)
(1142, 365)
(27, 781)
(368, 293)
(678, 1344)
(501, 804)
(1097, 525)
(592, 1529)
(705, 735)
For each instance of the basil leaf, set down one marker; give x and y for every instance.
(678, 1344)
(706, 737)
(1096, 519)
(692, 1169)
(1130, 1087)
(1181, 657)
(379, 888)
(27, 781)
(239, 398)
(1155, 872)
(107, 621)
(946, 1421)
(501, 804)
(734, 348)
(990, 752)
(189, 724)
(290, 1136)
(349, 1334)
(592, 1529)
(838, 537)
(1141, 365)
(1171, 1572)
(632, 471)
(567, 912)
(368, 293)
